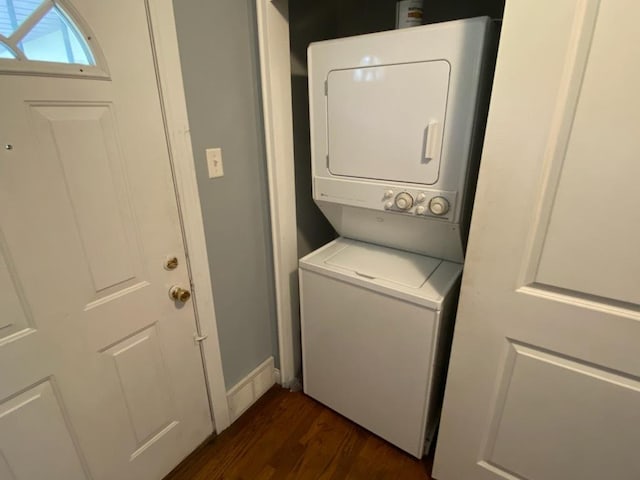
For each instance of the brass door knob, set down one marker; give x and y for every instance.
(179, 294)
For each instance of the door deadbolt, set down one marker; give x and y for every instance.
(171, 263)
(179, 294)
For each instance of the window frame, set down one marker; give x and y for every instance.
(22, 65)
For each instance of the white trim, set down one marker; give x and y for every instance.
(277, 377)
(275, 73)
(248, 390)
(163, 30)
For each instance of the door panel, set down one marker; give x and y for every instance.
(88, 217)
(544, 380)
(82, 138)
(553, 413)
(32, 426)
(597, 170)
(14, 316)
(143, 380)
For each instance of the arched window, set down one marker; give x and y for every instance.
(41, 31)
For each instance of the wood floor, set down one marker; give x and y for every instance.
(290, 436)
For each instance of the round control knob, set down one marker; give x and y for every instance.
(404, 201)
(439, 205)
(388, 193)
(420, 210)
(388, 205)
(421, 198)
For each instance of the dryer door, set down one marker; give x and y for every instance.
(387, 122)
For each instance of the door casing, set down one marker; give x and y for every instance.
(275, 73)
(166, 57)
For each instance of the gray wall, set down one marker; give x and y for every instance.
(218, 51)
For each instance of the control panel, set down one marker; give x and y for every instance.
(425, 203)
(397, 199)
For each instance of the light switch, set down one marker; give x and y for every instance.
(214, 162)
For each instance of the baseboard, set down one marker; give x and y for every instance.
(248, 390)
(277, 378)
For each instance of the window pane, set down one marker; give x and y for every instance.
(5, 52)
(14, 12)
(55, 39)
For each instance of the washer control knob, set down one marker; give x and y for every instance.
(420, 210)
(388, 193)
(439, 205)
(421, 198)
(404, 201)
(388, 205)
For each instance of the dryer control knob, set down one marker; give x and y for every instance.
(421, 198)
(439, 205)
(404, 201)
(388, 193)
(388, 205)
(420, 210)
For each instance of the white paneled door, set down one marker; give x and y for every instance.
(100, 377)
(544, 382)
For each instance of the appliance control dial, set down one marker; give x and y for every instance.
(388, 205)
(420, 210)
(421, 197)
(439, 205)
(404, 201)
(388, 193)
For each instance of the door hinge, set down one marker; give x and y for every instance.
(199, 338)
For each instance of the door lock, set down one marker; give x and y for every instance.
(171, 263)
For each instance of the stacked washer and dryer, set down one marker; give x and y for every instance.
(396, 121)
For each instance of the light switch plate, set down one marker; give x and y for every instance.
(214, 162)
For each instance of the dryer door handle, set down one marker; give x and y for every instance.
(431, 135)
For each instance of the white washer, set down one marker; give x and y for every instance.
(394, 117)
(376, 330)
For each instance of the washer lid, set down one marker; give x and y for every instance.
(374, 262)
(408, 276)
(386, 122)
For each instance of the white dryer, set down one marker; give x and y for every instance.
(394, 117)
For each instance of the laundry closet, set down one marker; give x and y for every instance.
(388, 129)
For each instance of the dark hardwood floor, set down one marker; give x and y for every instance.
(291, 436)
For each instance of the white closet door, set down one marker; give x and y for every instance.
(544, 381)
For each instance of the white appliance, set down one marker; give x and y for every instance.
(395, 136)
(376, 329)
(393, 119)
